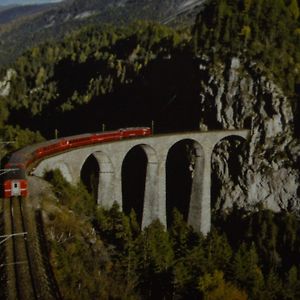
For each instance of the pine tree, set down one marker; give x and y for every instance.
(181, 235)
(292, 285)
(245, 271)
(155, 258)
(214, 287)
(294, 9)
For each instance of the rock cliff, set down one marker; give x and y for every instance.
(239, 95)
(6, 82)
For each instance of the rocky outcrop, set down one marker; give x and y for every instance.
(239, 95)
(5, 83)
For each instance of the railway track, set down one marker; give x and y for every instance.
(20, 281)
(24, 264)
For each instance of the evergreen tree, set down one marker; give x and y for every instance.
(155, 258)
(291, 285)
(245, 271)
(214, 287)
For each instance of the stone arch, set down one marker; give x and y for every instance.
(139, 182)
(102, 170)
(228, 157)
(184, 180)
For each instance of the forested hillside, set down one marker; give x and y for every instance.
(266, 33)
(62, 18)
(92, 74)
(102, 60)
(236, 67)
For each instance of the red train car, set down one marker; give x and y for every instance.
(88, 139)
(135, 131)
(15, 187)
(50, 149)
(15, 183)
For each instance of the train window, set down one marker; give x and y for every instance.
(15, 185)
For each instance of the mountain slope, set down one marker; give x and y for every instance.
(69, 15)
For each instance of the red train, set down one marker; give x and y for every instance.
(15, 182)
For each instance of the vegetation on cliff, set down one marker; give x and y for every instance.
(91, 75)
(135, 74)
(265, 32)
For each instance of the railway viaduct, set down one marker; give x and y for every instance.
(111, 156)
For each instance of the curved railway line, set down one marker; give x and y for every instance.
(25, 270)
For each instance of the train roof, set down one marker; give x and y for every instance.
(14, 173)
(21, 154)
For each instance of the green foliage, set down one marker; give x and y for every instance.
(246, 272)
(93, 68)
(292, 284)
(155, 258)
(266, 255)
(294, 9)
(117, 232)
(81, 263)
(75, 197)
(120, 261)
(66, 18)
(214, 287)
(182, 236)
(98, 70)
(95, 59)
(4, 113)
(263, 31)
(104, 68)
(75, 264)
(19, 138)
(114, 228)
(218, 251)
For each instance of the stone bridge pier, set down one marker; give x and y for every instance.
(110, 158)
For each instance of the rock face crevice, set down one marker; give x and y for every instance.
(238, 94)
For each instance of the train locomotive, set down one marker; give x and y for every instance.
(15, 181)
